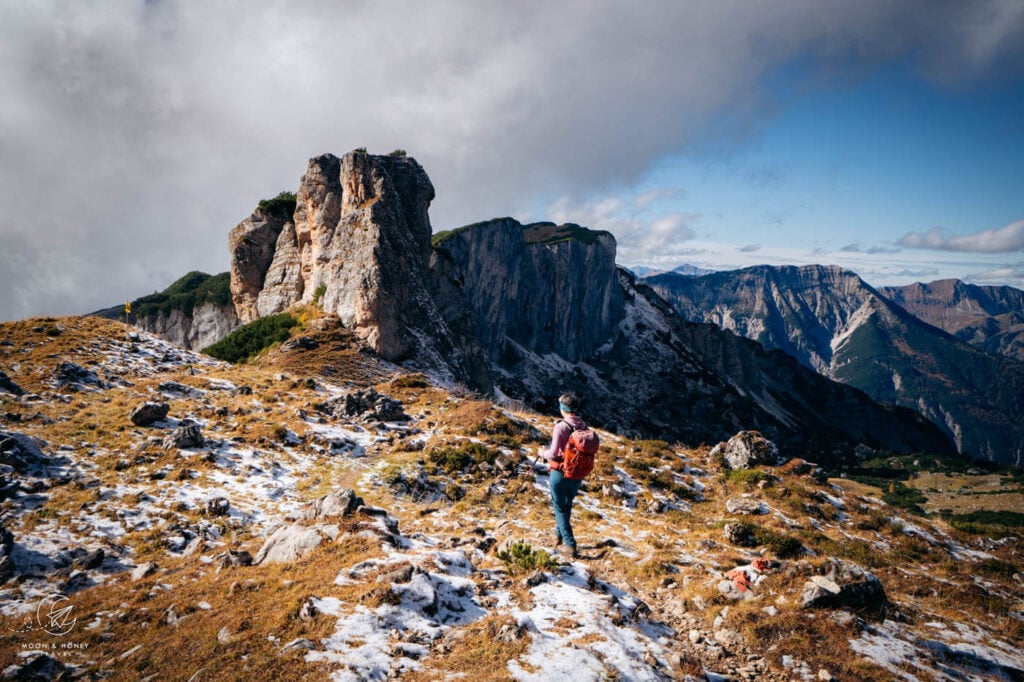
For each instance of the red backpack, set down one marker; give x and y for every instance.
(579, 452)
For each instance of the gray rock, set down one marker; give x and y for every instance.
(187, 435)
(739, 534)
(178, 390)
(8, 386)
(368, 404)
(845, 585)
(745, 505)
(23, 453)
(359, 234)
(747, 449)
(300, 644)
(399, 574)
(224, 636)
(148, 412)
(291, 543)
(234, 557)
(338, 503)
(38, 667)
(143, 570)
(91, 559)
(70, 375)
(218, 506)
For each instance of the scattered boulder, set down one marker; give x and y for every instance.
(7, 566)
(38, 667)
(235, 557)
(300, 644)
(343, 502)
(292, 542)
(367, 404)
(746, 449)
(745, 505)
(143, 570)
(845, 585)
(300, 343)
(218, 506)
(187, 435)
(739, 534)
(22, 452)
(178, 390)
(70, 375)
(8, 386)
(148, 412)
(398, 574)
(91, 559)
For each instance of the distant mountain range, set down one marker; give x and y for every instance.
(991, 318)
(832, 321)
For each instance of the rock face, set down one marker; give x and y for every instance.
(204, 326)
(833, 322)
(359, 242)
(544, 287)
(194, 312)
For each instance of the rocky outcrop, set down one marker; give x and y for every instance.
(358, 243)
(746, 449)
(148, 412)
(203, 326)
(543, 287)
(194, 312)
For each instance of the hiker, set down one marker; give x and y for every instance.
(563, 489)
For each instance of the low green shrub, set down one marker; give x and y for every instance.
(281, 206)
(245, 342)
(455, 458)
(520, 557)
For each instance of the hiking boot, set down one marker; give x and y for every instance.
(568, 551)
(558, 538)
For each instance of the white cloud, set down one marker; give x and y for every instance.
(134, 135)
(856, 247)
(749, 248)
(1007, 274)
(1003, 240)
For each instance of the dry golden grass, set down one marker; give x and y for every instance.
(251, 602)
(477, 653)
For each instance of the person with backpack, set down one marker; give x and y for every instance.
(570, 458)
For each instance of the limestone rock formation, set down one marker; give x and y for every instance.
(358, 243)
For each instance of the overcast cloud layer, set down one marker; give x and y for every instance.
(133, 136)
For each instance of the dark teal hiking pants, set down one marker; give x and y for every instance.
(563, 492)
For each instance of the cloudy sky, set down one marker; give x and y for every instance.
(883, 136)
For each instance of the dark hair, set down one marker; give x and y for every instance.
(570, 400)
